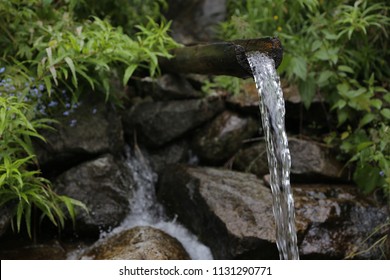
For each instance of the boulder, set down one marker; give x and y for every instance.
(90, 128)
(310, 162)
(231, 212)
(104, 186)
(158, 123)
(220, 139)
(138, 243)
(334, 221)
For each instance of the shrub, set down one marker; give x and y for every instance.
(48, 47)
(338, 50)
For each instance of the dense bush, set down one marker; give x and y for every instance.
(338, 50)
(49, 52)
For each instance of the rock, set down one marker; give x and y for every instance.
(195, 21)
(221, 138)
(333, 221)
(91, 129)
(309, 161)
(167, 87)
(231, 212)
(44, 251)
(178, 152)
(158, 123)
(246, 101)
(138, 243)
(5, 219)
(252, 158)
(104, 185)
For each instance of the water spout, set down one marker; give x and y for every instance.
(257, 58)
(222, 58)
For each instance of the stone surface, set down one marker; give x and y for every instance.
(91, 129)
(334, 220)
(5, 219)
(158, 123)
(178, 152)
(43, 251)
(104, 185)
(167, 87)
(195, 20)
(310, 161)
(252, 158)
(139, 243)
(221, 138)
(231, 212)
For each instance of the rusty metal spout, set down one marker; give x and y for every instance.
(222, 58)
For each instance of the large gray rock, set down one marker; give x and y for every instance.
(91, 129)
(231, 212)
(309, 161)
(158, 123)
(139, 243)
(221, 138)
(333, 222)
(104, 186)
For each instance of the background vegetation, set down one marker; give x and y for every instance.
(50, 52)
(338, 50)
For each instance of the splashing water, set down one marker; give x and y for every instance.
(272, 111)
(146, 211)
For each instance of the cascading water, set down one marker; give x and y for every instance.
(146, 211)
(272, 111)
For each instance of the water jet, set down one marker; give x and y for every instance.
(257, 58)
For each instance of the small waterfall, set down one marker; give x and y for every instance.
(273, 111)
(146, 211)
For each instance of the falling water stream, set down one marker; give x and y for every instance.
(147, 211)
(279, 161)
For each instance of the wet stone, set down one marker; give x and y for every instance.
(104, 186)
(138, 243)
(158, 123)
(231, 212)
(222, 138)
(333, 222)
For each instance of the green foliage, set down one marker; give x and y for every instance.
(20, 186)
(339, 50)
(48, 47)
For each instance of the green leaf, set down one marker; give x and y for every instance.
(70, 63)
(342, 116)
(376, 103)
(386, 113)
(129, 71)
(324, 77)
(307, 91)
(299, 67)
(387, 97)
(340, 104)
(367, 177)
(345, 68)
(366, 119)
